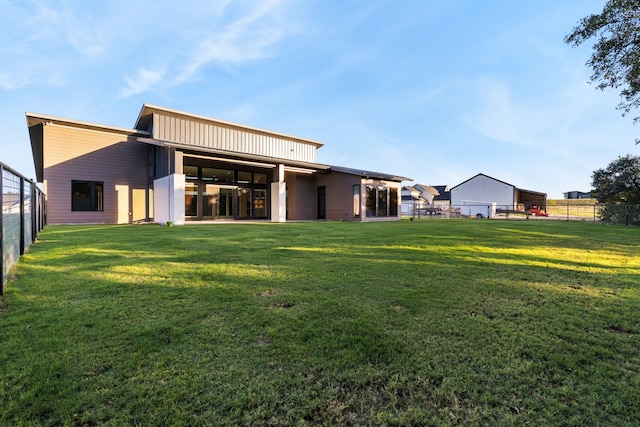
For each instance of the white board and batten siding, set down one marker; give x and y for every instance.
(485, 188)
(227, 137)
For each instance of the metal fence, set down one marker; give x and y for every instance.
(602, 213)
(23, 216)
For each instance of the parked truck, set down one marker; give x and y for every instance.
(478, 209)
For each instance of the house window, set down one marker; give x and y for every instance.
(259, 178)
(259, 203)
(372, 198)
(393, 202)
(191, 172)
(381, 201)
(356, 200)
(87, 196)
(244, 177)
(217, 175)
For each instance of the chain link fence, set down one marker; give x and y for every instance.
(596, 213)
(23, 216)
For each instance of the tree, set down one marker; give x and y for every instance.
(618, 188)
(616, 54)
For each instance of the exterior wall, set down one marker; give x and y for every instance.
(483, 188)
(88, 155)
(211, 134)
(339, 195)
(301, 199)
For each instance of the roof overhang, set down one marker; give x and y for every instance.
(235, 157)
(536, 193)
(145, 119)
(370, 174)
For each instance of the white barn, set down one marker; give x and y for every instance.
(483, 188)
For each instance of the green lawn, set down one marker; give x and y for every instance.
(438, 322)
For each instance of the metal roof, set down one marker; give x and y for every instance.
(146, 116)
(503, 182)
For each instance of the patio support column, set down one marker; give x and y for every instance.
(279, 197)
(168, 199)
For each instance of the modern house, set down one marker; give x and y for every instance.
(485, 189)
(577, 195)
(174, 167)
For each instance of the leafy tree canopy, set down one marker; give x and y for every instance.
(619, 182)
(618, 187)
(616, 54)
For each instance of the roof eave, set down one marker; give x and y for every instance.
(148, 109)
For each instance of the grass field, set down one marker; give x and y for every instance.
(437, 322)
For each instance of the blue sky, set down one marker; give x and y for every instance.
(433, 90)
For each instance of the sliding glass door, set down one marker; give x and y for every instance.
(217, 202)
(214, 192)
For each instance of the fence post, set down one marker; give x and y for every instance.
(21, 217)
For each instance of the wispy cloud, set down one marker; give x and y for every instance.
(8, 82)
(141, 82)
(246, 39)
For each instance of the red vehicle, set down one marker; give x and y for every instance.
(534, 209)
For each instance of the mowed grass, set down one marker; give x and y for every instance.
(439, 322)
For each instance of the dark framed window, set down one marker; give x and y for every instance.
(217, 175)
(87, 196)
(393, 202)
(244, 177)
(259, 178)
(191, 172)
(381, 201)
(371, 202)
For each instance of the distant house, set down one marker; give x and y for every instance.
(411, 200)
(577, 195)
(485, 189)
(417, 197)
(173, 167)
(443, 199)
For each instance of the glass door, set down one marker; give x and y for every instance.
(191, 200)
(259, 203)
(217, 202)
(225, 203)
(244, 202)
(210, 201)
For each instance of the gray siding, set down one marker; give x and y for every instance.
(227, 137)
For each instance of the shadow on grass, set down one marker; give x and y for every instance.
(324, 323)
